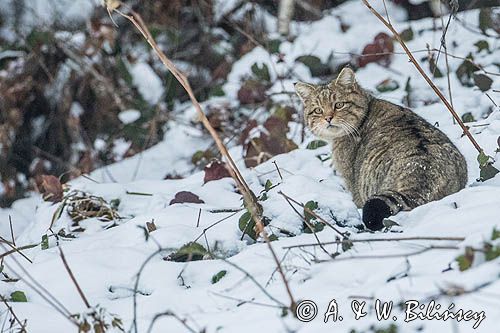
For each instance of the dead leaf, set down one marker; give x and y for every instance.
(185, 196)
(215, 170)
(50, 188)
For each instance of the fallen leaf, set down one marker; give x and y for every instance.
(185, 196)
(215, 170)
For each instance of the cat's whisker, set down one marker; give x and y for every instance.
(350, 131)
(354, 129)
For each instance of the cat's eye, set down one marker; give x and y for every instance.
(339, 105)
(318, 111)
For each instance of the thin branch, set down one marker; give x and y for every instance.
(169, 313)
(40, 290)
(368, 240)
(248, 196)
(302, 217)
(12, 231)
(23, 326)
(307, 210)
(397, 255)
(72, 276)
(425, 76)
(17, 249)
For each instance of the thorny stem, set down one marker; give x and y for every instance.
(421, 71)
(248, 196)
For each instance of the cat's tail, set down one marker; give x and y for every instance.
(380, 206)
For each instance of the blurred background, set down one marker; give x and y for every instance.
(78, 93)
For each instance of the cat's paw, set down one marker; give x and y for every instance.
(374, 213)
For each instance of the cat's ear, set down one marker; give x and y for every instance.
(304, 90)
(346, 78)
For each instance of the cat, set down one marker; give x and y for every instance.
(391, 158)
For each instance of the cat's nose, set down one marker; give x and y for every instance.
(328, 119)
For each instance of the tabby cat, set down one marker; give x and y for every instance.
(391, 158)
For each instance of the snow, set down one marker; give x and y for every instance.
(106, 261)
(147, 82)
(129, 116)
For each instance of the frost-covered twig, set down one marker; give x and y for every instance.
(425, 76)
(248, 196)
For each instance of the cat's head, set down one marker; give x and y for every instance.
(334, 109)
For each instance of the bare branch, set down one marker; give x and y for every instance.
(425, 76)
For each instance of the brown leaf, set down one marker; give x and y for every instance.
(151, 226)
(277, 127)
(185, 196)
(50, 188)
(252, 92)
(215, 170)
(378, 51)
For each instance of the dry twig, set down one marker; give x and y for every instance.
(425, 76)
(248, 196)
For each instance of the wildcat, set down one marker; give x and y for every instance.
(391, 158)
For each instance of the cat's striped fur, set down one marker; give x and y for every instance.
(391, 158)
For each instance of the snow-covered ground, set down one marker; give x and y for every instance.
(106, 261)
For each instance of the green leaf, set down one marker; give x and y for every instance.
(436, 72)
(188, 252)
(247, 224)
(38, 38)
(468, 117)
(465, 260)
(268, 185)
(273, 238)
(407, 34)
(495, 234)
(482, 45)
(482, 158)
(482, 81)
(216, 278)
(261, 72)
(491, 252)
(466, 70)
(115, 203)
(45, 242)
(315, 65)
(217, 91)
(274, 46)
(311, 205)
(487, 171)
(347, 244)
(315, 144)
(18, 296)
(485, 19)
